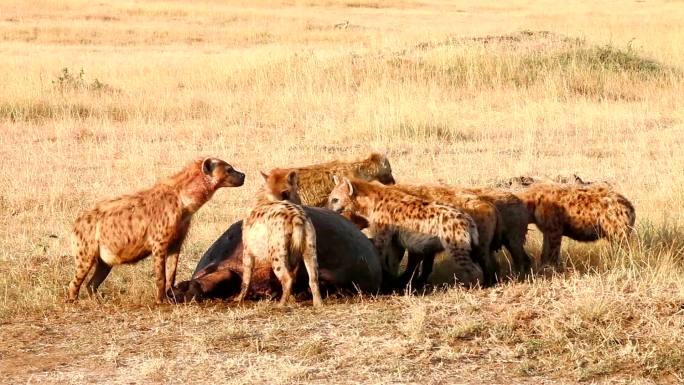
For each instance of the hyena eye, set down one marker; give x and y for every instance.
(285, 194)
(334, 201)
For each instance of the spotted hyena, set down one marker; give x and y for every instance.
(514, 221)
(574, 179)
(583, 213)
(421, 226)
(151, 222)
(279, 234)
(485, 215)
(316, 181)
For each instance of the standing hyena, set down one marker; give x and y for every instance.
(485, 215)
(155, 221)
(279, 232)
(583, 213)
(514, 221)
(419, 224)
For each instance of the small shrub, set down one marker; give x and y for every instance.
(68, 81)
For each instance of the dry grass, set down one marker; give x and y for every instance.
(467, 93)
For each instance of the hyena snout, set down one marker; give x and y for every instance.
(234, 178)
(335, 205)
(387, 180)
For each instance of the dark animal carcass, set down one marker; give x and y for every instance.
(347, 262)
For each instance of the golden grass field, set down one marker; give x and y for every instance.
(465, 93)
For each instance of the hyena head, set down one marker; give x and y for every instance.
(221, 174)
(577, 180)
(282, 185)
(341, 198)
(526, 181)
(573, 179)
(519, 182)
(376, 168)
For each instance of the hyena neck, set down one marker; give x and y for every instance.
(192, 186)
(195, 193)
(365, 206)
(261, 198)
(366, 198)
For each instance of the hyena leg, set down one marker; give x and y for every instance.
(247, 266)
(551, 248)
(159, 258)
(426, 269)
(84, 259)
(284, 275)
(487, 262)
(311, 263)
(382, 240)
(279, 254)
(171, 267)
(101, 272)
(410, 273)
(521, 260)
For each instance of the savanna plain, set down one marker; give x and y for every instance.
(103, 98)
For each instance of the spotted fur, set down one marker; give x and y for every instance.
(151, 222)
(583, 213)
(316, 181)
(514, 221)
(485, 215)
(422, 226)
(278, 233)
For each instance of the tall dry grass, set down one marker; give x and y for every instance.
(466, 93)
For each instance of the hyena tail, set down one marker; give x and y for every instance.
(622, 217)
(298, 239)
(304, 242)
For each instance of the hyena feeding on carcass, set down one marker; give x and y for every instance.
(278, 232)
(418, 224)
(485, 215)
(315, 182)
(151, 222)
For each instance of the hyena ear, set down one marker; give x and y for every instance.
(264, 175)
(349, 185)
(336, 180)
(292, 177)
(578, 180)
(376, 157)
(208, 166)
